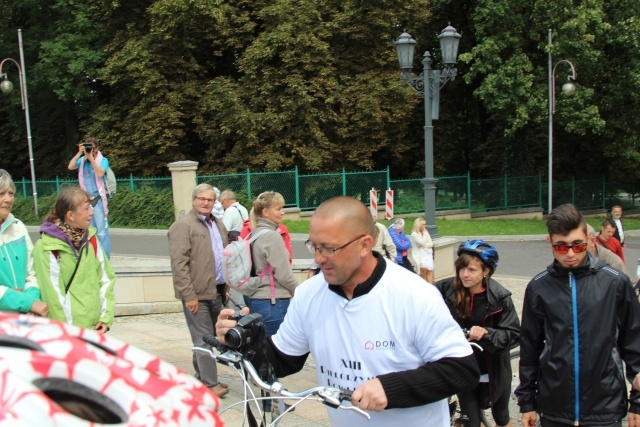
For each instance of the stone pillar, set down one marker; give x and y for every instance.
(444, 251)
(183, 181)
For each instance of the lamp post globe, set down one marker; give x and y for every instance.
(6, 86)
(569, 88)
(449, 42)
(405, 46)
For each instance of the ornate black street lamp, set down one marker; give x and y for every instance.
(428, 85)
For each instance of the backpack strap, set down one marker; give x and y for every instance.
(268, 269)
(94, 243)
(240, 212)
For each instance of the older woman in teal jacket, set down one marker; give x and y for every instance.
(19, 290)
(73, 271)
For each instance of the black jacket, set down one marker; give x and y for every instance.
(503, 325)
(607, 327)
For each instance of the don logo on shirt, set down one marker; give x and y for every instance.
(380, 345)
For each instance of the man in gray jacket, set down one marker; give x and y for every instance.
(196, 242)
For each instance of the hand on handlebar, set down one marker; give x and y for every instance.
(476, 333)
(370, 396)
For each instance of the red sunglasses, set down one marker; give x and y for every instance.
(563, 249)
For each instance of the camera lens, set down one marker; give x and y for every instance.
(235, 337)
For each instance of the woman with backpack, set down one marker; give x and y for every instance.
(484, 308)
(272, 298)
(75, 277)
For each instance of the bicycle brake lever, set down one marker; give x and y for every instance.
(356, 410)
(330, 397)
(333, 397)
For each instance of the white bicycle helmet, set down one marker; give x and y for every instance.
(55, 374)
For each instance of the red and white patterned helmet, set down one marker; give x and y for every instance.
(54, 374)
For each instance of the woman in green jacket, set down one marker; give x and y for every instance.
(18, 286)
(75, 276)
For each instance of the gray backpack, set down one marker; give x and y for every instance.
(237, 263)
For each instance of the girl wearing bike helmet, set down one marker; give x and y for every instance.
(483, 307)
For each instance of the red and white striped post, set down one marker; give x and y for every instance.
(373, 202)
(389, 210)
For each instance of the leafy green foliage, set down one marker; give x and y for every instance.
(314, 85)
(146, 208)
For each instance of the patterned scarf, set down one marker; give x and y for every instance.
(76, 235)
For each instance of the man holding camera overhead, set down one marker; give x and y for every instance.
(92, 167)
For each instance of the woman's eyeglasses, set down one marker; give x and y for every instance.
(563, 249)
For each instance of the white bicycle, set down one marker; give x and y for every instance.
(330, 396)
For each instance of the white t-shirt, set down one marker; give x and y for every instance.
(401, 324)
(620, 229)
(234, 216)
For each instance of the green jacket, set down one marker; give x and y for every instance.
(18, 285)
(90, 298)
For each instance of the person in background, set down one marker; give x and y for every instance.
(92, 167)
(269, 250)
(603, 253)
(196, 243)
(402, 243)
(75, 276)
(282, 230)
(234, 213)
(384, 244)
(421, 250)
(616, 216)
(606, 239)
(484, 308)
(19, 291)
(218, 209)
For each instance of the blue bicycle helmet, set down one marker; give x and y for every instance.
(481, 249)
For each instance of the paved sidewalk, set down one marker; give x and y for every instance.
(167, 336)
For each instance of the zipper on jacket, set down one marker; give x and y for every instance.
(576, 347)
(486, 360)
(7, 257)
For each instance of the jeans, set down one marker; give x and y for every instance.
(102, 225)
(272, 314)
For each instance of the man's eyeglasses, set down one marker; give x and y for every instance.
(328, 252)
(563, 249)
(204, 199)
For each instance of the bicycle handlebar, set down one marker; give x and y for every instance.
(330, 396)
(467, 332)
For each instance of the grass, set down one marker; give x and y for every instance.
(482, 227)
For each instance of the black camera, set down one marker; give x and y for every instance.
(249, 331)
(87, 146)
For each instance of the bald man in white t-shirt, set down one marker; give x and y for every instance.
(372, 326)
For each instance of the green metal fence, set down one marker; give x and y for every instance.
(453, 192)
